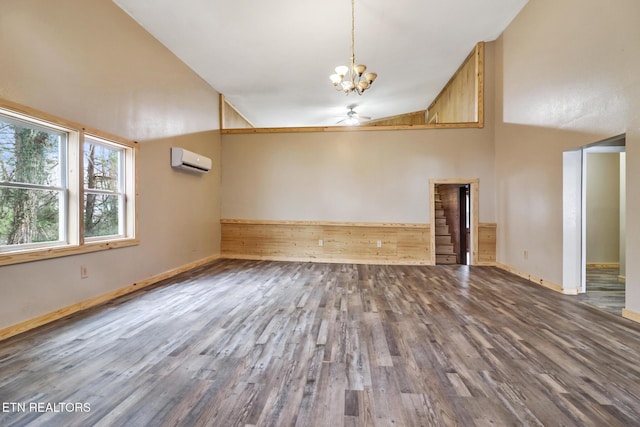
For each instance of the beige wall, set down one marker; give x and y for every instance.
(87, 61)
(379, 176)
(368, 176)
(566, 76)
(603, 208)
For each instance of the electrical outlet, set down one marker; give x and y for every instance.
(526, 254)
(84, 272)
(320, 242)
(379, 243)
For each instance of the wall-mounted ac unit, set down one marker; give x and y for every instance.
(187, 160)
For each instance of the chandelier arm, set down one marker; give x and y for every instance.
(352, 73)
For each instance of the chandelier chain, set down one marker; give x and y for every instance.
(353, 32)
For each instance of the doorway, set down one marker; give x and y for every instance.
(603, 286)
(594, 223)
(454, 221)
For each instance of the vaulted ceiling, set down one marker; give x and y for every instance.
(272, 59)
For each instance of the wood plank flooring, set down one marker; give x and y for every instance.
(244, 343)
(604, 290)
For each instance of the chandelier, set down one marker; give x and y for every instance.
(354, 78)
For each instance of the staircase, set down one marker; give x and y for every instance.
(445, 253)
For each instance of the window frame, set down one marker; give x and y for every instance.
(121, 191)
(72, 240)
(61, 188)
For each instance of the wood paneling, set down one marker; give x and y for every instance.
(230, 117)
(415, 118)
(486, 244)
(462, 98)
(341, 242)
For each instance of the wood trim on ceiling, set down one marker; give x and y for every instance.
(471, 125)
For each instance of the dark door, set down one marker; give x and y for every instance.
(465, 220)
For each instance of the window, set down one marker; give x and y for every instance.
(48, 207)
(104, 196)
(33, 193)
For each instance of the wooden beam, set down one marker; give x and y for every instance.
(472, 125)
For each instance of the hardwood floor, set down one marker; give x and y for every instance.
(240, 343)
(604, 290)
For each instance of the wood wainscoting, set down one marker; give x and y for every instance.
(486, 243)
(364, 243)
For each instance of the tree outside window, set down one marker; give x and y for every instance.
(32, 189)
(64, 189)
(104, 195)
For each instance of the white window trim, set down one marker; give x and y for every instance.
(74, 242)
(121, 192)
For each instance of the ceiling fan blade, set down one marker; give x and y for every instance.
(352, 116)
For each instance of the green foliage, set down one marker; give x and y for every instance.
(31, 155)
(101, 211)
(28, 156)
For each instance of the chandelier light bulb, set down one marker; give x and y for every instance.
(342, 70)
(348, 86)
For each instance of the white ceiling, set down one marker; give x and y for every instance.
(272, 59)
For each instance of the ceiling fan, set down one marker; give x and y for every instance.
(353, 118)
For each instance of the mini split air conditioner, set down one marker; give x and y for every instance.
(183, 159)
